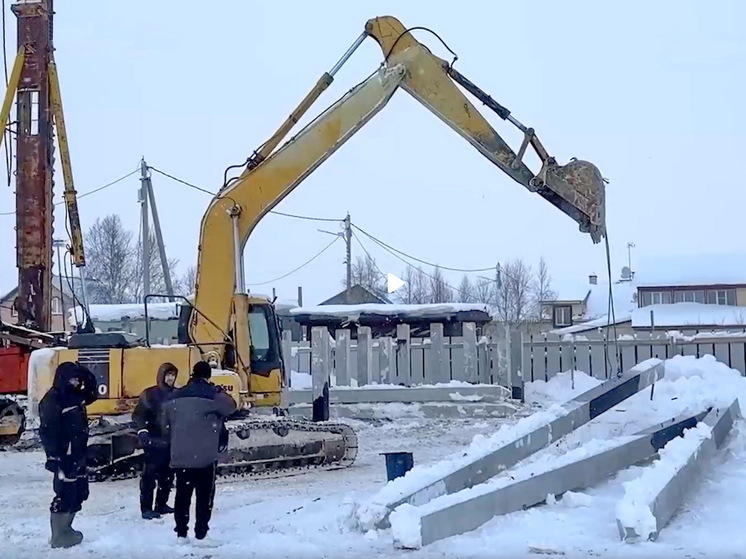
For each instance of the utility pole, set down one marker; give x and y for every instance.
(148, 184)
(629, 255)
(144, 230)
(34, 167)
(346, 234)
(348, 257)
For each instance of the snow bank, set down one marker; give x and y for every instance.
(560, 387)
(688, 314)
(634, 509)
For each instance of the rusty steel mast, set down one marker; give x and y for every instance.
(34, 166)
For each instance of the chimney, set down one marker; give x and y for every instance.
(593, 279)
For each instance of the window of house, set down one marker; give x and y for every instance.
(721, 297)
(689, 296)
(56, 305)
(562, 316)
(655, 298)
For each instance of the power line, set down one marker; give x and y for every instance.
(457, 290)
(94, 191)
(190, 185)
(450, 269)
(194, 186)
(306, 263)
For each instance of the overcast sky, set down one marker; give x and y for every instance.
(651, 92)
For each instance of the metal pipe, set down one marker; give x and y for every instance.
(346, 56)
(235, 213)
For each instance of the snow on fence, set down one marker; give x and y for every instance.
(545, 355)
(507, 360)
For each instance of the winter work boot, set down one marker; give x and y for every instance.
(150, 515)
(164, 509)
(77, 533)
(62, 534)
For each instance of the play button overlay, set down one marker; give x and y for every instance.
(393, 282)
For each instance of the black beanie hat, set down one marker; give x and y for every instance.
(202, 369)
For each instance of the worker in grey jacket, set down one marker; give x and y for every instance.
(193, 421)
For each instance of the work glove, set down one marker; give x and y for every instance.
(144, 438)
(52, 465)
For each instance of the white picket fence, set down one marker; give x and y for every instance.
(508, 360)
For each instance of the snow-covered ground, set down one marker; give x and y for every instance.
(313, 515)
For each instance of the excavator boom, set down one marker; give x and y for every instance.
(577, 188)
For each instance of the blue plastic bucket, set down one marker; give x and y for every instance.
(398, 463)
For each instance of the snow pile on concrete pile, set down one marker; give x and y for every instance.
(368, 513)
(405, 519)
(634, 508)
(690, 385)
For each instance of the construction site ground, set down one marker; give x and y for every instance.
(313, 514)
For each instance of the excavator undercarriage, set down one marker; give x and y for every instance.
(266, 446)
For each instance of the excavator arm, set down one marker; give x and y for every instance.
(577, 188)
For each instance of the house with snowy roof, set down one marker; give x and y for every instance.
(585, 306)
(691, 292)
(668, 292)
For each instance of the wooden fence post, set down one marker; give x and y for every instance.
(469, 344)
(342, 356)
(441, 364)
(515, 352)
(364, 355)
(320, 372)
(387, 360)
(403, 361)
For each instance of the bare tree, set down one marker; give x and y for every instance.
(188, 282)
(484, 291)
(111, 261)
(439, 291)
(415, 288)
(513, 293)
(365, 272)
(157, 279)
(541, 289)
(466, 291)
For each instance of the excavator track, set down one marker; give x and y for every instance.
(261, 446)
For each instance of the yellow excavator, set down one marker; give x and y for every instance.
(237, 332)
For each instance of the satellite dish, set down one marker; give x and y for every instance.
(626, 273)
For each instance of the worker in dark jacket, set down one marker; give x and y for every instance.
(64, 436)
(194, 421)
(156, 469)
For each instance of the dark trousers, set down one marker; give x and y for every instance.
(70, 490)
(156, 471)
(200, 481)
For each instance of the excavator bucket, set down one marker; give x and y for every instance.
(581, 191)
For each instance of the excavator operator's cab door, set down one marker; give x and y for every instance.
(267, 371)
